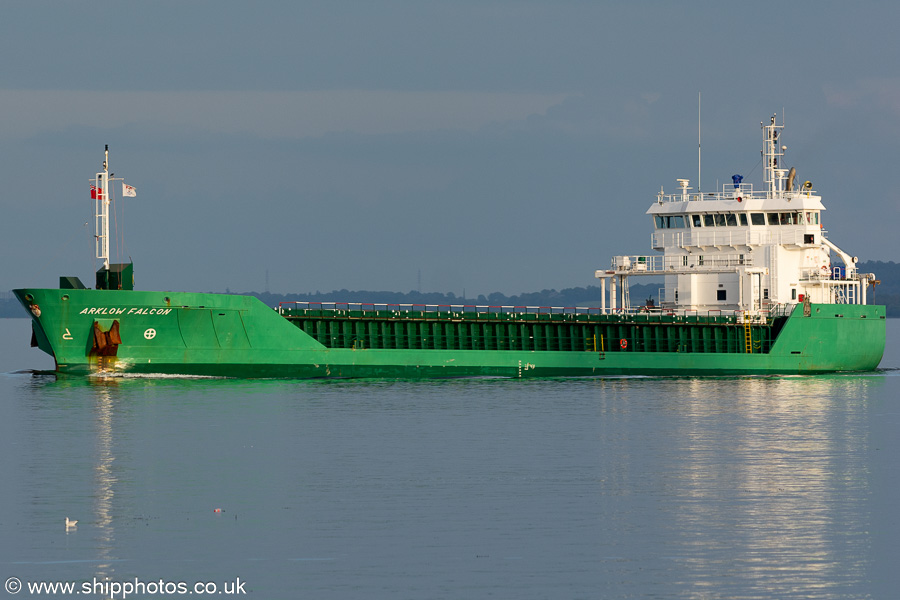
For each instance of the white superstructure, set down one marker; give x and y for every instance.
(740, 250)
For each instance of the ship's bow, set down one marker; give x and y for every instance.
(38, 304)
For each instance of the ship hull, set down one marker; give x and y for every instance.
(224, 335)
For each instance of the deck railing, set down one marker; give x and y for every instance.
(340, 309)
(439, 308)
(729, 192)
(664, 264)
(707, 237)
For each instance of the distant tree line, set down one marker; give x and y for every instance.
(578, 296)
(887, 292)
(10, 307)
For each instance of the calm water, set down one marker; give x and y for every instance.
(784, 487)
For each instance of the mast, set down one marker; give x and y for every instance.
(773, 174)
(101, 210)
(109, 276)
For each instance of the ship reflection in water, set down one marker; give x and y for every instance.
(771, 483)
(104, 478)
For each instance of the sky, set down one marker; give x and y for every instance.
(447, 146)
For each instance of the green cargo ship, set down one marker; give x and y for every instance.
(750, 288)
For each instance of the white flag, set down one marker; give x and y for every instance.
(128, 190)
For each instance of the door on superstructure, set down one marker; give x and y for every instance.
(756, 291)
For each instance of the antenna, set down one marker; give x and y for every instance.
(699, 189)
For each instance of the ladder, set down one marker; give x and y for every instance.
(748, 338)
(839, 297)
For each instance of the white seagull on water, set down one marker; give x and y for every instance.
(70, 524)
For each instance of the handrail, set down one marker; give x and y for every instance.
(483, 309)
(744, 191)
(417, 307)
(834, 275)
(645, 264)
(742, 235)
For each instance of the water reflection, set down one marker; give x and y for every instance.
(104, 477)
(770, 470)
(751, 487)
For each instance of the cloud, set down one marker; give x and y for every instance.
(883, 93)
(272, 114)
(621, 115)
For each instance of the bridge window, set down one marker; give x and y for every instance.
(743, 217)
(720, 220)
(669, 222)
(731, 220)
(758, 218)
(708, 220)
(792, 218)
(697, 220)
(773, 218)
